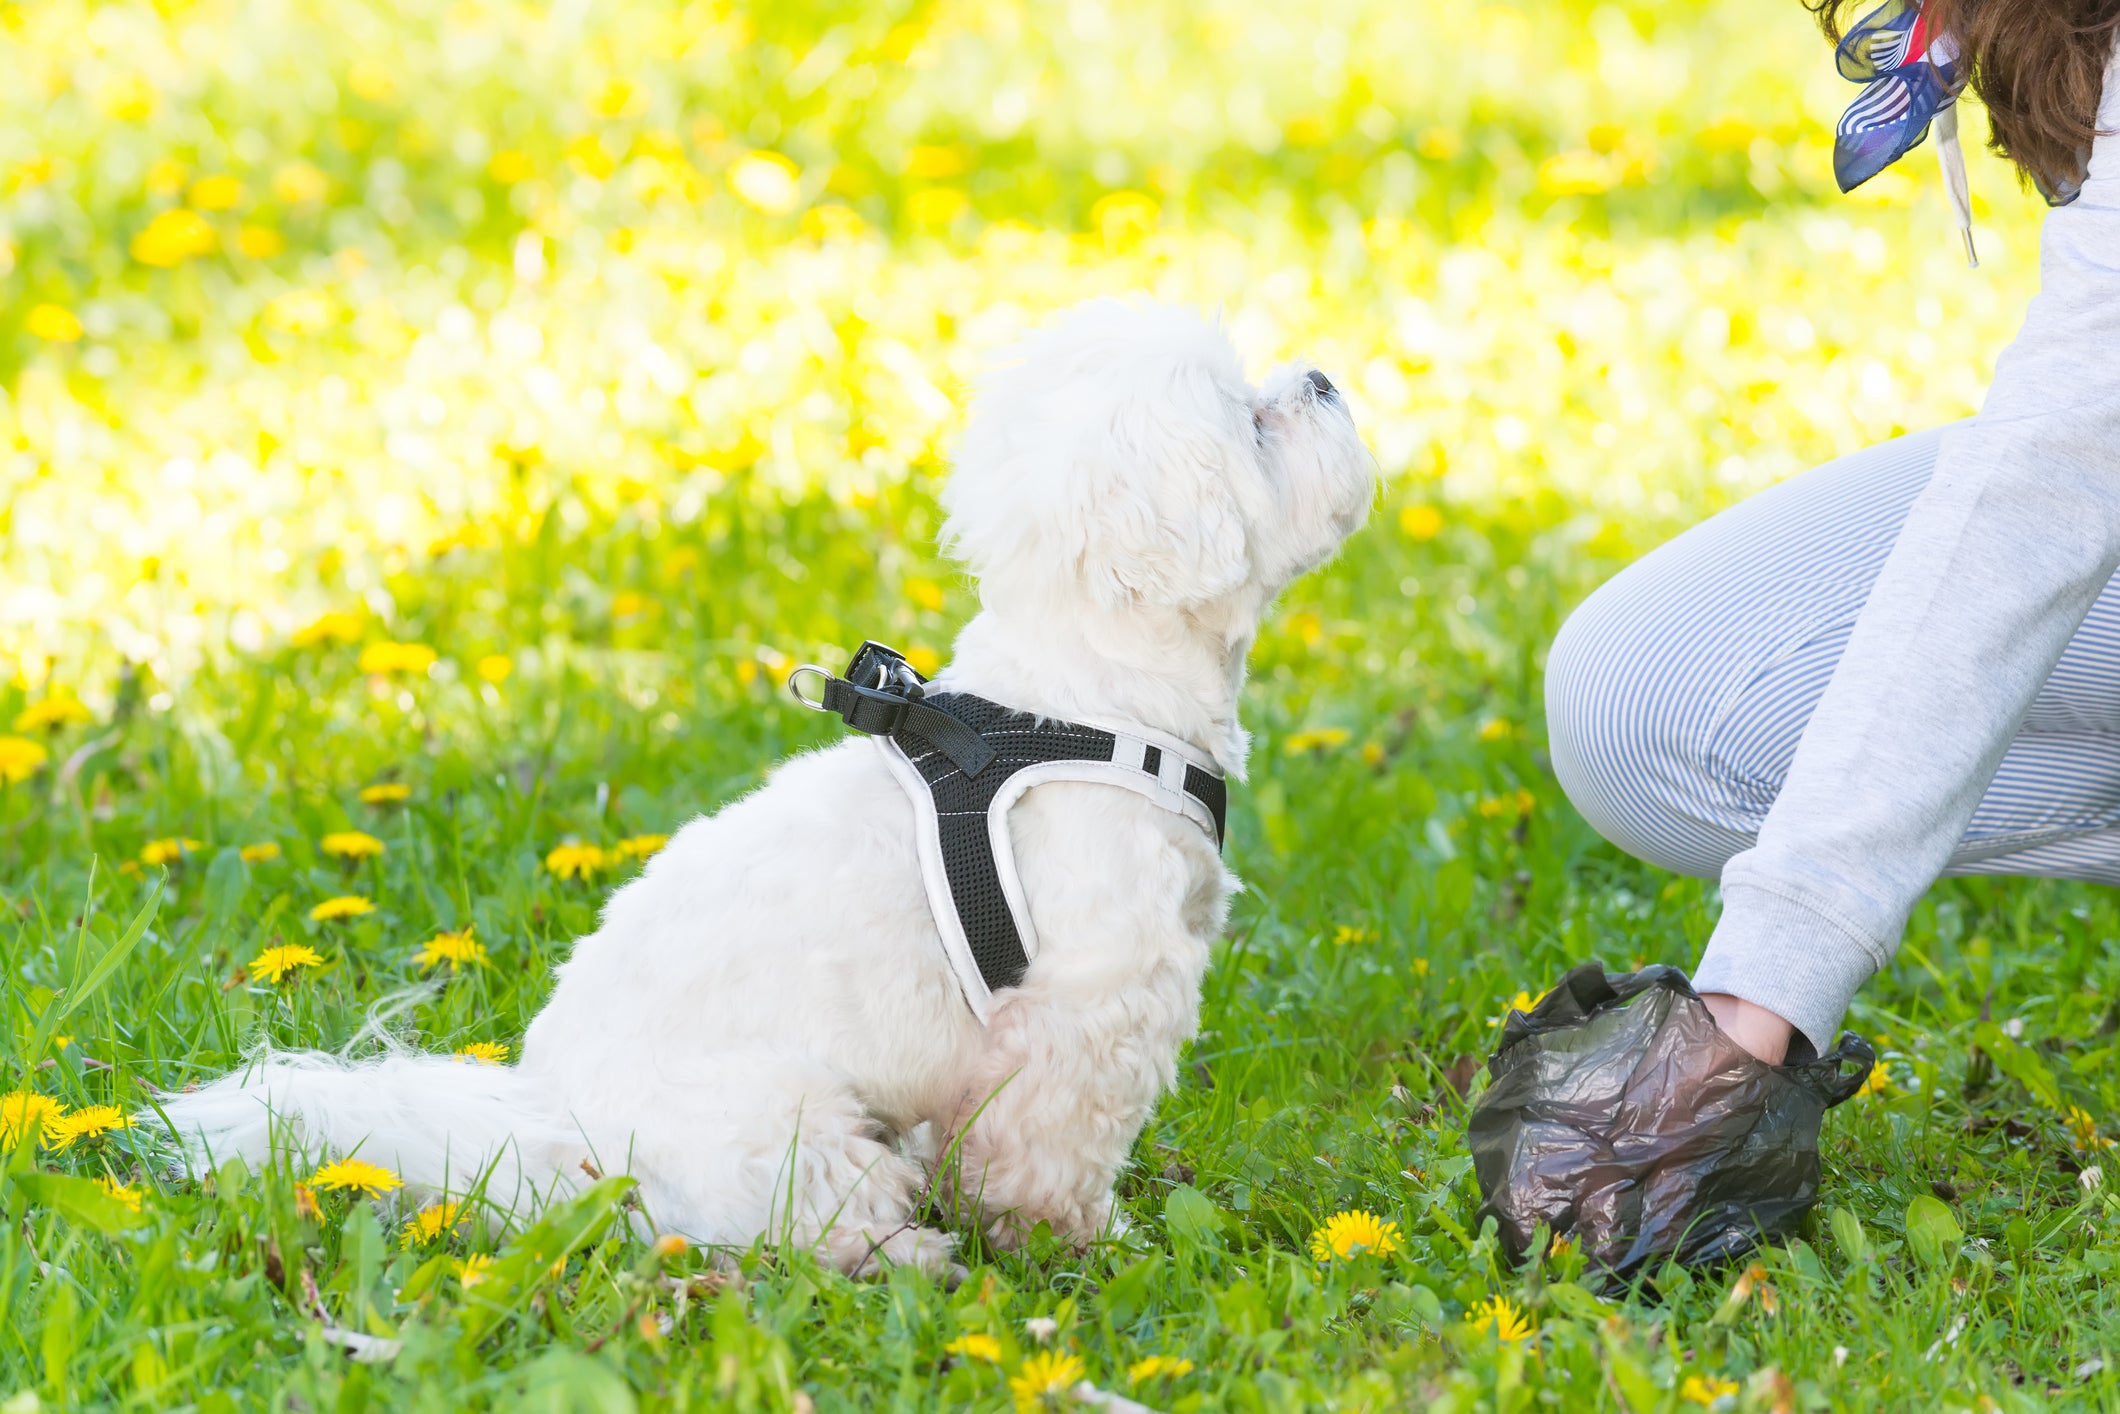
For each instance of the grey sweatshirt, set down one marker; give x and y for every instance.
(2001, 558)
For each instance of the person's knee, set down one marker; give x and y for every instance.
(1615, 713)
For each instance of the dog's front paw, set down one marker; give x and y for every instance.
(1080, 1225)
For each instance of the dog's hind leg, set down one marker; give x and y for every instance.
(769, 1144)
(1061, 1097)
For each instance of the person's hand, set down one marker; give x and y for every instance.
(1623, 1115)
(1750, 1025)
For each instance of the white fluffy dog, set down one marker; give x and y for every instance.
(766, 1013)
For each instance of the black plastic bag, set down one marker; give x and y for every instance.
(1581, 1129)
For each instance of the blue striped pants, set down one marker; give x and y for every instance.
(1676, 694)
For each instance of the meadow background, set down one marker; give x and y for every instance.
(448, 423)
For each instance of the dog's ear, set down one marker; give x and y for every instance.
(1150, 509)
(1106, 454)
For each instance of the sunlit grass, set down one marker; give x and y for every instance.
(430, 434)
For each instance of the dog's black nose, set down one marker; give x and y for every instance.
(1320, 382)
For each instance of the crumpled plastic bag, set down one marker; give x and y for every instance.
(1581, 1129)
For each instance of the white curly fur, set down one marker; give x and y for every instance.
(766, 1018)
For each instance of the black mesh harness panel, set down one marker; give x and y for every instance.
(964, 762)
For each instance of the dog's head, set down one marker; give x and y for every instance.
(1121, 461)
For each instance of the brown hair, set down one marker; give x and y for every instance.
(2038, 65)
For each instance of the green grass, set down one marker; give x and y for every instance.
(623, 411)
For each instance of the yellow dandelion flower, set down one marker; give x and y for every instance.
(88, 1122)
(20, 758)
(344, 906)
(456, 949)
(494, 668)
(935, 163)
(590, 158)
(299, 183)
(1348, 933)
(767, 182)
(1157, 1367)
(473, 1269)
(1372, 753)
(26, 1115)
(387, 657)
(923, 660)
(642, 846)
(1496, 729)
(1879, 1079)
(172, 238)
(156, 853)
(1044, 1377)
(1421, 522)
(670, 1246)
(484, 1053)
(576, 861)
(1522, 1001)
(356, 1176)
(351, 844)
(124, 1193)
(935, 206)
(53, 323)
(277, 964)
(976, 1346)
(386, 793)
(261, 853)
(1509, 807)
(260, 242)
(337, 626)
(1316, 739)
(430, 1222)
(1123, 217)
(1500, 1315)
(1420, 967)
(305, 1201)
(1348, 1235)
(2082, 1128)
(926, 593)
(509, 167)
(1704, 1390)
(216, 193)
(630, 604)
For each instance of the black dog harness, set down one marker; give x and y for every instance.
(963, 761)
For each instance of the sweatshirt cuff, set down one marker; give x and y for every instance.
(1788, 957)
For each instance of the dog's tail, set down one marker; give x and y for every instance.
(440, 1123)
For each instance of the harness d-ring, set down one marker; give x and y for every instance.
(796, 692)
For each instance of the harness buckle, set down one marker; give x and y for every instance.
(884, 669)
(873, 695)
(881, 694)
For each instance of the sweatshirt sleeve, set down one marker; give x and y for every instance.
(2000, 560)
